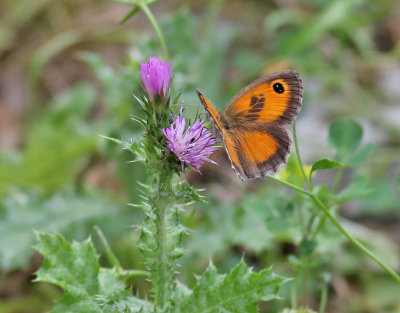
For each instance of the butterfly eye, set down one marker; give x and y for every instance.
(278, 87)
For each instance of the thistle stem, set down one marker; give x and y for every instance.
(162, 272)
(157, 29)
(162, 286)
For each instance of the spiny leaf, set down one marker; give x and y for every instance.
(135, 148)
(184, 191)
(238, 292)
(87, 287)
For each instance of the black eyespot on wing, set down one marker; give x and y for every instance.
(278, 88)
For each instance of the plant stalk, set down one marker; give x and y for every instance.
(157, 29)
(353, 240)
(324, 299)
(296, 145)
(164, 281)
(293, 293)
(112, 259)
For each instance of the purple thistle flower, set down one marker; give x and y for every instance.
(156, 78)
(192, 145)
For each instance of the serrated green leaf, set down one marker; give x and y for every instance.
(186, 192)
(325, 164)
(135, 148)
(345, 137)
(87, 288)
(238, 292)
(68, 266)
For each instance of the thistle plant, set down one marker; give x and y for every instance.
(161, 232)
(169, 145)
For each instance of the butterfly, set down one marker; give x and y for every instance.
(252, 126)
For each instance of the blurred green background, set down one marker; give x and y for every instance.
(68, 70)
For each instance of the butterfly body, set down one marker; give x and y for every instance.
(252, 126)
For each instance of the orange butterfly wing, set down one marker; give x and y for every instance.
(252, 123)
(274, 97)
(261, 150)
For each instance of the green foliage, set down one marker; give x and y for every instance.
(361, 187)
(55, 146)
(360, 155)
(87, 287)
(238, 292)
(325, 164)
(90, 288)
(256, 222)
(67, 212)
(345, 137)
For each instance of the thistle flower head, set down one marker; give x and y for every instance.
(192, 145)
(156, 78)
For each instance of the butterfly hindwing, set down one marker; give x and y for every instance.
(275, 97)
(261, 150)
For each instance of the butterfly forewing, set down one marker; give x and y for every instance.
(274, 97)
(214, 116)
